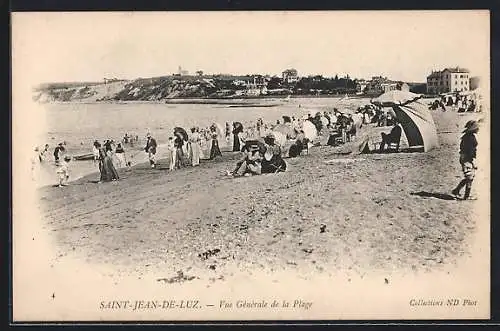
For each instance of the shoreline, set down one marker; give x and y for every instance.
(211, 100)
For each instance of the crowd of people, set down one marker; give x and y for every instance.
(458, 102)
(263, 145)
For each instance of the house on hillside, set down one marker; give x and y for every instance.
(290, 76)
(378, 85)
(361, 85)
(448, 80)
(256, 85)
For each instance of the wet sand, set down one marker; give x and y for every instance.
(362, 213)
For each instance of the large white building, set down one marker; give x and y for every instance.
(448, 80)
(290, 76)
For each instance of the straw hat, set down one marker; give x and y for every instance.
(471, 126)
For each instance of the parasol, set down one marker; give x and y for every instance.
(310, 131)
(285, 129)
(238, 127)
(182, 132)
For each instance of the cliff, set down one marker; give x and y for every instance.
(142, 89)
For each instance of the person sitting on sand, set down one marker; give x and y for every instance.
(393, 137)
(63, 171)
(468, 150)
(250, 163)
(272, 161)
(299, 145)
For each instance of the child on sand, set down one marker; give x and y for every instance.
(468, 147)
(63, 171)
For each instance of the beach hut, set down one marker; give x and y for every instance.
(414, 116)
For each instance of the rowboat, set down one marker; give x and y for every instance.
(84, 157)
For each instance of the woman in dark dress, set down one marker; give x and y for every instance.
(272, 161)
(106, 167)
(58, 151)
(237, 129)
(178, 143)
(214, 150)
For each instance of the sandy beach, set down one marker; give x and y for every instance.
(378, 211)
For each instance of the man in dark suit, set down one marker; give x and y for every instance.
(393, 137)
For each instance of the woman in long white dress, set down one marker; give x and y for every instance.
(171, 153)
(195, 140)
(205, 144)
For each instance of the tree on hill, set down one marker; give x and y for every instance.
(275, 83)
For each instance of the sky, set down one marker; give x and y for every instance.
(402, 45)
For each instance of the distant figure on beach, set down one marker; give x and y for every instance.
(43, 153)
(120, 156)
(194, 141)
(106, 167)
(151, 149)
(63, 171)
(58, 151)
(260, 123)
(468, 149)
(95, 151)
